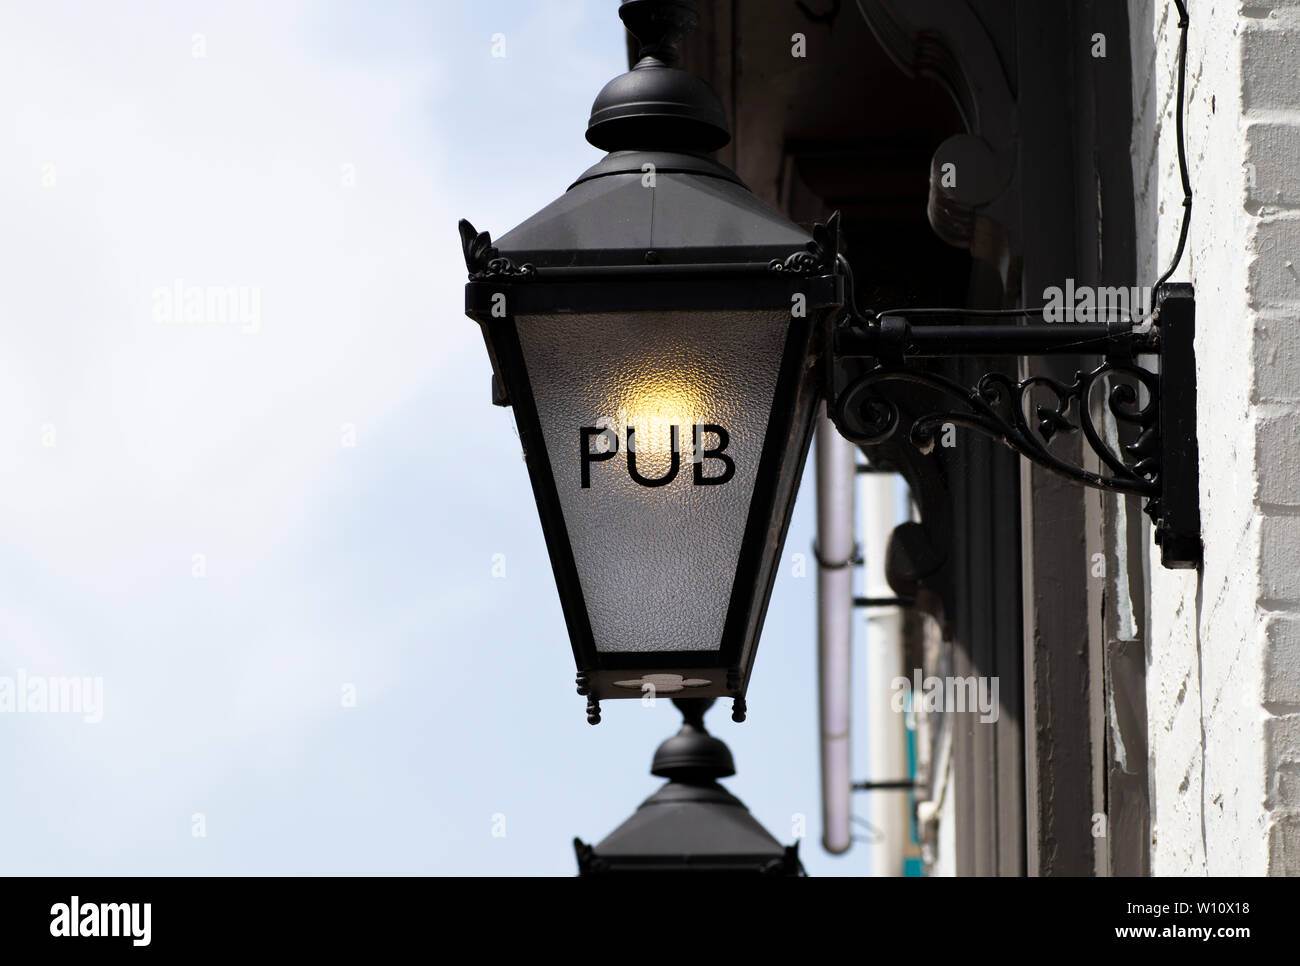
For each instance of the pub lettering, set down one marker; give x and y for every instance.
(721, 466)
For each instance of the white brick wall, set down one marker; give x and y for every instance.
(1223, 685)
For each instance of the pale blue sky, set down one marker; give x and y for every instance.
(318, 154)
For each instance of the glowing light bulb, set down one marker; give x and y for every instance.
(661, 415)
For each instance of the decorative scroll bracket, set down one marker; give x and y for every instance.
(1161, 463)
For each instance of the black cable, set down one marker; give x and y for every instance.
(1182, 146)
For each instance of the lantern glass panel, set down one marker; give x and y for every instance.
(654, 424)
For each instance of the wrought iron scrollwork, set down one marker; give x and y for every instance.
(818, 257)
(482, 258)
(999, 407)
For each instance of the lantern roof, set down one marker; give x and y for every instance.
(698, 824)
(654, 207)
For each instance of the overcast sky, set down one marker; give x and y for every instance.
(250, 468)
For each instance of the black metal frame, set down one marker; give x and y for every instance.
(1160, 463)
(708, 285)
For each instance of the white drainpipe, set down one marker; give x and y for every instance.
(836, 542)
(887, 809)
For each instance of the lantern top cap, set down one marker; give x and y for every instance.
(655, 106)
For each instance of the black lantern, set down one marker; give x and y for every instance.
(692, 823)
(665, 338)
(654, 330)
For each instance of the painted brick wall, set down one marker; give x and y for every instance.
(1223, 676)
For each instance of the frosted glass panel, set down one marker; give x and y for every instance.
(654, 424)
